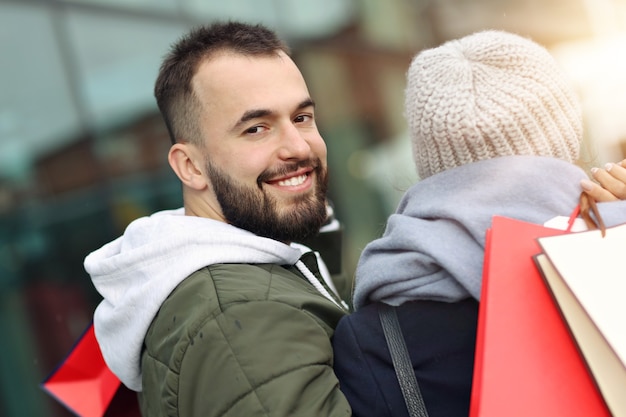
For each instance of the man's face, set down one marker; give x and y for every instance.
(264, 157)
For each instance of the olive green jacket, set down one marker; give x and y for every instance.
(242, 340)
(243, 336)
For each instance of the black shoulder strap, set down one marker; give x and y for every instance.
(401, 361)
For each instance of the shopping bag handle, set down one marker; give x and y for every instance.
(586, 206)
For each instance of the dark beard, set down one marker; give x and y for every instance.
(255, 211)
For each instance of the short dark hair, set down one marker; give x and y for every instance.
(173, 89)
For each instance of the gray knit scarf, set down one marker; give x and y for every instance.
(433, 246)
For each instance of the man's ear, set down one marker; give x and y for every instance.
(184, 159)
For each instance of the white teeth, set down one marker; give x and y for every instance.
(293, 181)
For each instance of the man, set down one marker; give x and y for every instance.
(213, 310)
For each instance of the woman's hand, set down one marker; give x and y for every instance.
(611, 182)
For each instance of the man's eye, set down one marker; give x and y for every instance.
(254, 129)
(302, 118)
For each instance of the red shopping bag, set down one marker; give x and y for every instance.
(526, 362)
(86, 386)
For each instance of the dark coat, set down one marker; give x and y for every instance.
(440, 337)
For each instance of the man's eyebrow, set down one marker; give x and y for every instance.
(249, 115)
(257, 113)
(306, 103)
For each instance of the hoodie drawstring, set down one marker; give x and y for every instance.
(317, 284)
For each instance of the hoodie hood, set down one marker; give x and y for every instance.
(433, 246)
(136, 272)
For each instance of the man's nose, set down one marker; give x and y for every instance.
(293, 145)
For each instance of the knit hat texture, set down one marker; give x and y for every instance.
(487, 95)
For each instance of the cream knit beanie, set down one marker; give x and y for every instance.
(486, 95)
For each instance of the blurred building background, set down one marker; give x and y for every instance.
(83, 149)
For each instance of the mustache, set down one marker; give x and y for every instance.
(287, 168)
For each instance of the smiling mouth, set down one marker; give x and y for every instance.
(293, 181)
(292, 175)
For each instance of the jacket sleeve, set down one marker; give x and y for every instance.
(260, 358)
